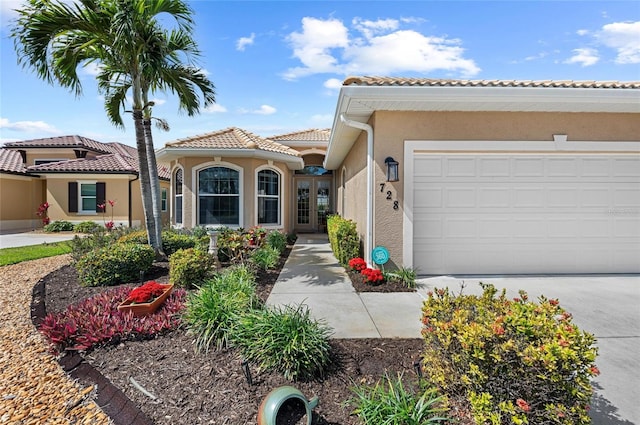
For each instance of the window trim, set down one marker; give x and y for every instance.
(81, 209)
(163, 199)
(174, 216)
(280, 196)
(196, 193)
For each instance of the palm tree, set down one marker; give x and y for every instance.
(135, 56)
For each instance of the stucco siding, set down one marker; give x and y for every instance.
(393, 128)
(21, 197)
(248, 168)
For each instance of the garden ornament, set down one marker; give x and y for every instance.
(272, 403)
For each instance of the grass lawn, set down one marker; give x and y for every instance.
(33, 252)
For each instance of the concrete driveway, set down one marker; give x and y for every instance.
(606, 306)
(15, 239)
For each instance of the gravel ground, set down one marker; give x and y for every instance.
(33, 387)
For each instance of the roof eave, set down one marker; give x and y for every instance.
(170, 154)
(358, 103)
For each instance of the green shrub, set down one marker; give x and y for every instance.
(88, 227)
(286, 339)
(59, 226)
(390, 403)
(277, 240)
(214, 310)
(137, 236)
(266, 257)
(172, 242)
(514, 361)
(405, 275)
(343, 238)
(114, 264)
(232, 245)
(291, 238)
(189, 267)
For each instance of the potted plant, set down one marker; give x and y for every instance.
(146, 299)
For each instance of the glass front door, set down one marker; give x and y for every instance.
(313, 203)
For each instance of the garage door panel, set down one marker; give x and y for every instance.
(524, 213)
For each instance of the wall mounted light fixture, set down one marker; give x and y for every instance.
(392, 169)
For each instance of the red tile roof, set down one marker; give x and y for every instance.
(424, 82)
(11, 162)
(73, 142)
(110, 163)
(231, 138)
(311, 135)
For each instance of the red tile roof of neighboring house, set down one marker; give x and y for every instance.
(231, 138)
(311, 135)
(11, 162)
(73, 142)
(424, 82)
(109, 163)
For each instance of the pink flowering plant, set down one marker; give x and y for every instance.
(510, 361)
(43, 213)
(103, 207)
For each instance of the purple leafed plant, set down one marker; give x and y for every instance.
(97, 321)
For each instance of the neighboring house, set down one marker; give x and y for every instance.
(495, 177)
(74, 175)
(234, 178)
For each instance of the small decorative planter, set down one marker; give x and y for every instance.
(143, 309)
(274, 404)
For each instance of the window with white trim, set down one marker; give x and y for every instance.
(219, 196)
(177, 195)
(268, 197)
(87, 197)
(163, 200)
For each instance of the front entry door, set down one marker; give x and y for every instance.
(313, 202)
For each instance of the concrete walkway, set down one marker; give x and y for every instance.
(27, 238)
(606, 306)
(313, 276)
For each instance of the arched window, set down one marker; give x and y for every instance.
(177, 195)
(268, 198)
(219, 196)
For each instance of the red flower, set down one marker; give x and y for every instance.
(146, 293)
(554, 302)
(594, 371)
(372, 275)
(523, 405)
(357, 264)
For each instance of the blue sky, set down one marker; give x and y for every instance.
(278, 65)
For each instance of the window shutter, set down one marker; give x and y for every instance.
(101, 196)
(73, 197)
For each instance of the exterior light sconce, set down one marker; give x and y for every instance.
(392, 169)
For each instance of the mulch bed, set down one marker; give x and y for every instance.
(211, 387)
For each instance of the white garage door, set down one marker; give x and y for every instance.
(526, 213)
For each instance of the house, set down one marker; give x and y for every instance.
(491, 177)
(75, 175)
(237, 179)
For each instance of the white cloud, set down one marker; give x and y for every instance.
(263, 110)
(322, 120)
(624, 37)
(243, 42)
(333, 84)
(7, 11)
(91, 68)
(374, 47)
(215, 108)
(28, 126)
(159, 102)
(584, 56)
(582, 32)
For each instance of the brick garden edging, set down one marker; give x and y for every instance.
(111, 400)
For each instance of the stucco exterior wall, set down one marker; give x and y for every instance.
(249, 167)
(393, 128)
(352, 200)
(21, 198)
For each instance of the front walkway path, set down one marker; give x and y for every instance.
(313, 276)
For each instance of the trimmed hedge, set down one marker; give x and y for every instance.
(343, 238)
(114, 264)
(189, 267)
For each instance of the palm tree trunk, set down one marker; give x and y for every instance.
(145, 181)
(154, 183)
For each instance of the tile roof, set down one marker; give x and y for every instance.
(11, 162)
(73, 142)
(231, 138)
(428, 82)
(109, 163)
(311, 135)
